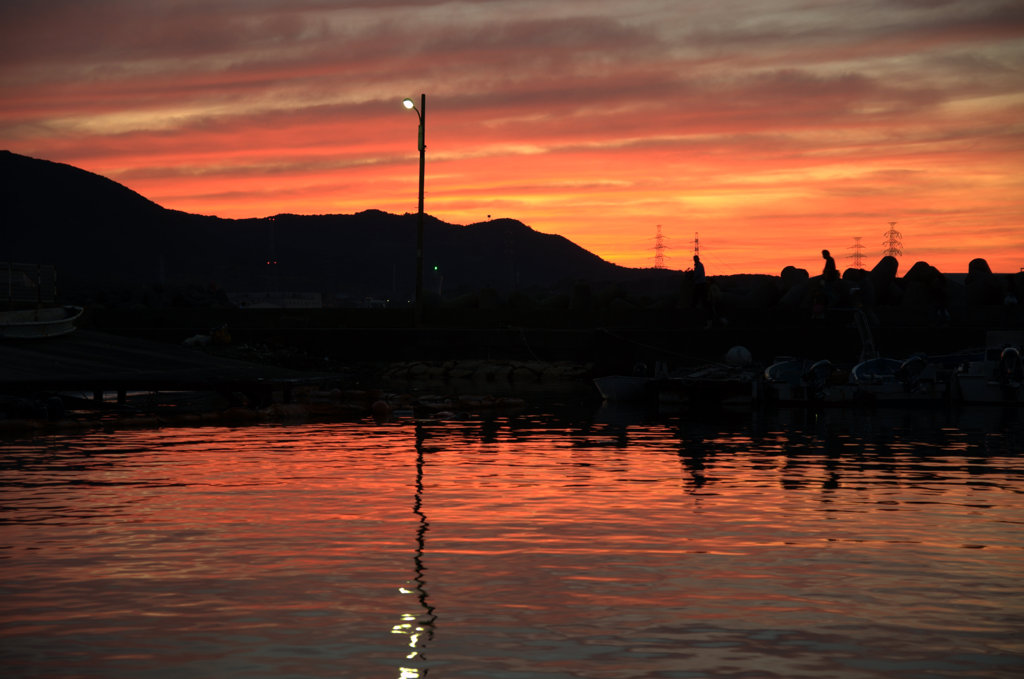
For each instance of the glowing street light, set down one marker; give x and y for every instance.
(422, 115)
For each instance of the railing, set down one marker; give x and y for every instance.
(28, 283)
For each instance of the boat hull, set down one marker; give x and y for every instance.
(626, 388)
(39, 323)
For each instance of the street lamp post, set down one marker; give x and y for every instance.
(421, 113)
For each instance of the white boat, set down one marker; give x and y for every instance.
(875, 381)
(995, 375)
(914, 379)
(38, 323)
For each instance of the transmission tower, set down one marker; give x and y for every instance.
(696, 244)
(857, 256)
(659, 250)
(893, 243)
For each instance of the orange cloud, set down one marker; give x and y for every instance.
(773, 133)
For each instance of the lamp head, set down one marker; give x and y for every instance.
(408, 103)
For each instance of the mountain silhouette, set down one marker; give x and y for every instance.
(100, 234)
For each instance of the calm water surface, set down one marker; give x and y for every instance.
(596, 545)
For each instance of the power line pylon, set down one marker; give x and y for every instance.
(659, 250)
(696, 244)
(893, 243)
(857, 256)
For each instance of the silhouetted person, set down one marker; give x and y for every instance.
(700, 283)
(830, 279)
(830, 273)
(702, 297)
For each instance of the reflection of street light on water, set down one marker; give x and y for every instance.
(419, 627)
(421, 113)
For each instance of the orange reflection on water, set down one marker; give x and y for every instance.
(407, 544)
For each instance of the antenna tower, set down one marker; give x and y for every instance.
(857, 256)
(659, 250)
(893, 243)
(696, 244)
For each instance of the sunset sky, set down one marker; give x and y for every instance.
(772, 128)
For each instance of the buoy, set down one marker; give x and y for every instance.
(739, 356)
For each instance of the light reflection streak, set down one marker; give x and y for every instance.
(418, 626)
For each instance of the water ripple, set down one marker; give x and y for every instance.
(545, 545)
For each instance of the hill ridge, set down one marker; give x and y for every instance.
(100, 233)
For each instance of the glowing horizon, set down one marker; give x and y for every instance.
(773, 133)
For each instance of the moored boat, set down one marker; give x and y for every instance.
(891, 380)
(715, 385)
(797, 380)
(996, 374)
(626, 388)
(38, 323)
